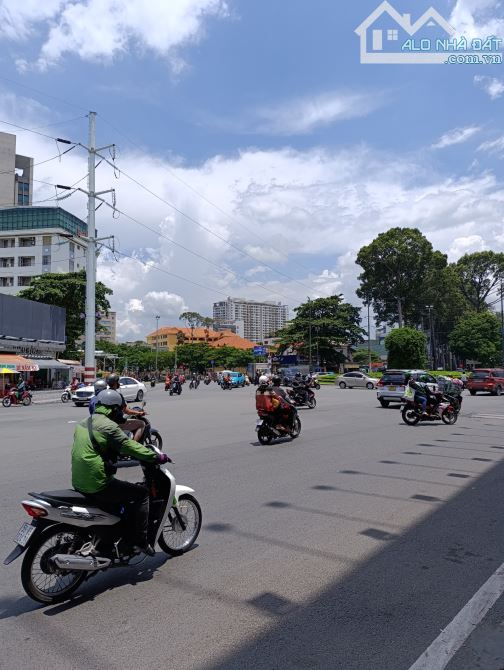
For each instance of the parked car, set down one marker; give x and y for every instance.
(355, 380)
(131, 388)
(490, 380)
(237, 378)
(391, 387)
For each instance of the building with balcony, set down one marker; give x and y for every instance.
(256, 320)
(16, 174)
(37, 240)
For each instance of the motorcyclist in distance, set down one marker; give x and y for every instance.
(135, 426)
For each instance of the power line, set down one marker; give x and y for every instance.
(47, 160)
(47, 95)
(36, 132)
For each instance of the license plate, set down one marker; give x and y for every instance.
(391, 388)
(24, 534)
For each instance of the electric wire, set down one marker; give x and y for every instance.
(46, 95)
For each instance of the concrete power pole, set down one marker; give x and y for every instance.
(90, 332)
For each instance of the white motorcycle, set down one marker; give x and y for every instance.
(70, 538)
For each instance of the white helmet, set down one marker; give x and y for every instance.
(263, 380)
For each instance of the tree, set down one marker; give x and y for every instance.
(397, 267)
(328, 323)
(478, 274)
(361, 356)
(194, 320)
(406, 348)
(68, 291)
(477, 337)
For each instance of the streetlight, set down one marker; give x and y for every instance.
(157, 341)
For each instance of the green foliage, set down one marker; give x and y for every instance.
(361, 356)
(406, 348)
(199, 356)
(333, 323)
(478, 274)
(477, 337)
(195, 320)
(68, 291)
(399, 267)
(138, 357)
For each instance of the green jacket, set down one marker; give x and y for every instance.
(88, 471)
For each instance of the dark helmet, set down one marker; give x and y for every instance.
(99, 386)
(298, 375)
(110, 398)
(276, 380)
(113, 379)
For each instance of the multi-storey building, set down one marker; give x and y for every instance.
(16, 174)
(107, 330)
(260, 319)
(36, 240)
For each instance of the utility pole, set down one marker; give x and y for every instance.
(431, 338)
(310, 336)
(369, 335)
(90, 316)
(90, 332)
(157, 341)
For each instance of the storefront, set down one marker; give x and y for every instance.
(76, 369)
(12, 366)
(52, 374)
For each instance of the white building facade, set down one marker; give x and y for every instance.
(259, 320)
(16, 174)
(38, 240)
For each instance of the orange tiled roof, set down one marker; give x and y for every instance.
(212, 337)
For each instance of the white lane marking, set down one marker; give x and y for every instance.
(71, 421)
(488, 416)
(449, 641)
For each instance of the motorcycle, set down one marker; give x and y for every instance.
(153, 383)
(446, 410)
(268, 428)
(70, 539)
(175, 388)
(151, 436)
(312, 382)
(66, 395)
(303, 397)
(226, 384)
(207, 381)
(11, 398)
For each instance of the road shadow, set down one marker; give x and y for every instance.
(386, 611)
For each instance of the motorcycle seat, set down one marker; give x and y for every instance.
(67, 496)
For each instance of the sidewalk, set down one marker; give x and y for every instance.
(46, 396)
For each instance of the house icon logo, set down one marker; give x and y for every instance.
(388, 37)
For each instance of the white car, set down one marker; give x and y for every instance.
(131, 389)
(355, 380)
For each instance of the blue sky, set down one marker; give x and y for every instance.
(265, 110)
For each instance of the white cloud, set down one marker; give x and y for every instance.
(478, 18)
(456, 136)
(466, 245)
(491, 85)
(101, 30)
(493, 146)
(303, 115)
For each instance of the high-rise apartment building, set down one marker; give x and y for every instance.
(260, 319)
(16, 174)
(107, 330)
(36, 240)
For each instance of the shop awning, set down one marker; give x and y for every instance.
(49, 364)
(17, 363)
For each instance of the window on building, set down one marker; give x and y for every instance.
(27, 241)
(46, 260)
(24, 281)
(26, 261)
(7, 242)
(6, 281)
(71, 266)
(71, 246)
(7, 262)
(46, 240)
(392, 35)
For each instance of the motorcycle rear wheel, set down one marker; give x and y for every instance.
(409, 416)
(6, 402)
(65, 397)
(43, 583)
(311, 403)
(156, 440)
(296, 428)
(449, 416)
(264, 435)
(173, 539)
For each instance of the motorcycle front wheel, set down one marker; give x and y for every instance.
(312, 403)
(6, 402)
(409, 416)
(449, 416)
(26, 401)
(65, 397)
(174, 539)
(40, 579)
(296, 428)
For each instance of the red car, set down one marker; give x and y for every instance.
(489, 380)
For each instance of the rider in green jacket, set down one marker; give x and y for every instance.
(98, 441)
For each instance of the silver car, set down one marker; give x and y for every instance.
(355, 380)
(131, 389)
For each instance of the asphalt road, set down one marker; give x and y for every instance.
(351, 547)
